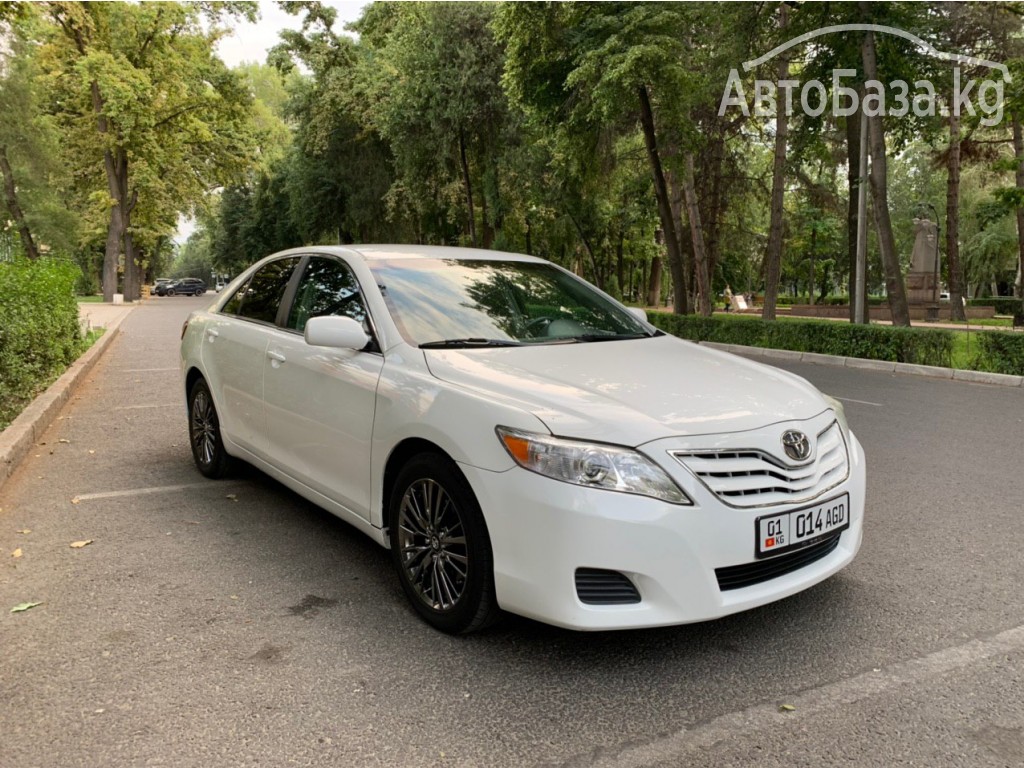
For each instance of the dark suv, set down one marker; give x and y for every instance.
(186, 286)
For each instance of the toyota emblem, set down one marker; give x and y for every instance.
(797, 446)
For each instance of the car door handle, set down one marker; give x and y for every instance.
(276, 357)
(212, 334)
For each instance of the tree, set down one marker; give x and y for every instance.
(773, 255)
(31, 177)
(169, 122)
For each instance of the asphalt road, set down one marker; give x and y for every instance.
(232, 623)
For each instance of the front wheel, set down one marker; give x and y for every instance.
(440, 546)
(204, 433)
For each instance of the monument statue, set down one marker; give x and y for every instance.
(921, 283)
(923, 256)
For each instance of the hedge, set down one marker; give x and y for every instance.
(1000, 352)
(1004, 305)
(39, 330)
(874, 342)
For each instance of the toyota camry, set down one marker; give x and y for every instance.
(519, 440)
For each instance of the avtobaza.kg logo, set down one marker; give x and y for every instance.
(969, 97)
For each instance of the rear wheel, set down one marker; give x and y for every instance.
(440, 546)
(204, 433)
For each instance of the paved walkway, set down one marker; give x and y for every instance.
(101, 315)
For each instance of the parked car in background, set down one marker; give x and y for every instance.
(186, 286)
(521, 441)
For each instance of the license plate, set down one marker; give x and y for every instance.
(801, 527)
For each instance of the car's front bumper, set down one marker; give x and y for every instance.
(542, 530)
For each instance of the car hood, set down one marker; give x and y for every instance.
(630, 392)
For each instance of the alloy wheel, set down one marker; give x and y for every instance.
(432, 545)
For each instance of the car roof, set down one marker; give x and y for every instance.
(371, 253)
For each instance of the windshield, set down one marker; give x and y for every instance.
(440, 302)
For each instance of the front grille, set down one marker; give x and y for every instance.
(752, 478)
(748, 574)
(595, 586)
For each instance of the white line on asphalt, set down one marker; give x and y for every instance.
(152, 489)
(862, 402)
(137, 407)
(811, 704)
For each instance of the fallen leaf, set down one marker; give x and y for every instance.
(787, 708)
(232, 496)
(25, 530)
(80, 544)
(63, 440)
(233, 597)
(23, 607)
(16, 553)
(76, 500)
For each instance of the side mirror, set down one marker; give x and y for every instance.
(639, 312)
(337, 332)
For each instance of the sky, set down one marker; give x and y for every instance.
(250, 42)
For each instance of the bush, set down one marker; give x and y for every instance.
(39, 330)
(1000, 352)
(1004, 305)
(874, 342)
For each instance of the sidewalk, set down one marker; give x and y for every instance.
(101, 315)
(19, 438)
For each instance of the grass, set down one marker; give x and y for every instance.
(990, 322)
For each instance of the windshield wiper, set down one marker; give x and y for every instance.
(586, 337)
(467, 343)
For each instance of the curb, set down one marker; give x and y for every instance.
(930, 371)
(22, 434)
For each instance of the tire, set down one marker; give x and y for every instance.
(199, 292)
(204, 433)
(449, 579)
(169, 292)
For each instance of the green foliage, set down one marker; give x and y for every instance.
(1000, 352)
(873, 342)
(39, 330)
(1004, 305)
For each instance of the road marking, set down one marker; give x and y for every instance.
(151, 489)
(862, 402)
(137, 407)
(810, 705)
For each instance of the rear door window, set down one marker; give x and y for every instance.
(261, 298)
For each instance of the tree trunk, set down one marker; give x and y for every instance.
(13, 208)
(880, 198)
(654, 284)
(1018, 153)
(469, 187)
(700, 261)
(598, 281)
(956, 276)
(814, 245)
(620, 267)
(773, 255)
(853, 184)
(488, 233)
(668, 226)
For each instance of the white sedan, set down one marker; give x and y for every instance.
(521, 441)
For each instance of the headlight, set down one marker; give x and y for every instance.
(591, 465)
(840, 413)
